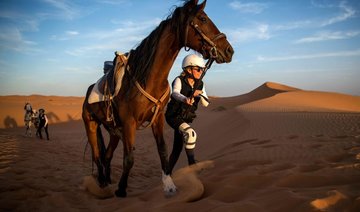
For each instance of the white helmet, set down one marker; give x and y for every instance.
(193, 60)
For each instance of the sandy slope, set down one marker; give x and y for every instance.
(276, 148)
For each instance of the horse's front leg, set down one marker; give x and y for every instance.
(158, 131)
(114, 141)
(128, 138)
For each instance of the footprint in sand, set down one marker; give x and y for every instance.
(276, 168)
(315, 146)
(270, 146)
(261, 142)
(310, 168)
(292, 137)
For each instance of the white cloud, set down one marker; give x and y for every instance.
(12, 39)
(347, 12)
(321, 4)
(23, 22)
(67, 35)
(324, 36)
(349, 53)
(124, 37)
(259, 32)
(113, 2)
(293, 25)
(71, 33)
(67, 9)
(254, 7)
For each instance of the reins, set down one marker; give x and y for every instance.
(154, 100)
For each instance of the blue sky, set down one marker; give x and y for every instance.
(57, 47)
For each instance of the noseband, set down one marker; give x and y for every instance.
(211, 42)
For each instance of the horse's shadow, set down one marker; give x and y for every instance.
(9, 122)
(53, 118)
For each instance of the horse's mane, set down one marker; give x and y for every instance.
(142, 58)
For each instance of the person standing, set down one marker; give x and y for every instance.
(182, 106)
(28, 108)
(43, 123)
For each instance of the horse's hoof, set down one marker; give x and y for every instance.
(102, 184)
(108, 180)
(170, 193)
(120, 193)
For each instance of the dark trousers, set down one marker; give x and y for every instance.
(178, 144)
(38, 132)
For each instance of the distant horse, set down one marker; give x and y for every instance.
(28, 119)
(145, 90)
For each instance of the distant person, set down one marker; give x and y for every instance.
(28, 108)
(43, 123)
(35, 119)
(108, 66)
(182, 106)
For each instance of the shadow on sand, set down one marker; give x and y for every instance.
(9, 122)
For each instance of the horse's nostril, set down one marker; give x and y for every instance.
(230, 50)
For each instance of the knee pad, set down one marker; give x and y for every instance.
(189, 135)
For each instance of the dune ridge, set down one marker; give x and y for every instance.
(288, 99)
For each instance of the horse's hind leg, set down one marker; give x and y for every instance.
(92, 128)
(158, 131)
(128, 138)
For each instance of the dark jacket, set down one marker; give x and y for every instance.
(181, 110)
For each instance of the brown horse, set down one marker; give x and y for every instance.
(145, 89)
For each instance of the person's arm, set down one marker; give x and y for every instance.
(46, 120)
(176, 88)
(204, 98)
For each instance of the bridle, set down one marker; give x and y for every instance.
(211, 42)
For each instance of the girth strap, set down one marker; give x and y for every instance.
(156, 101)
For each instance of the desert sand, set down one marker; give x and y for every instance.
(276, 148)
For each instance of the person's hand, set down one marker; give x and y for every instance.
(189, 101)
(197, 92)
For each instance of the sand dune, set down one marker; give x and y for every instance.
(277, 148)
(288, 99)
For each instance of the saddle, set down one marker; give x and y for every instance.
(110, 83)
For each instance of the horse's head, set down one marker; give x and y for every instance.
(202, 35)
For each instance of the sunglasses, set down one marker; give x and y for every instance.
(198, 69)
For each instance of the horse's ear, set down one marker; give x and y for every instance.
(192, 5)
(194, 2)
(202, 5)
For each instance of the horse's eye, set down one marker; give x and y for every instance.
(202, 19)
